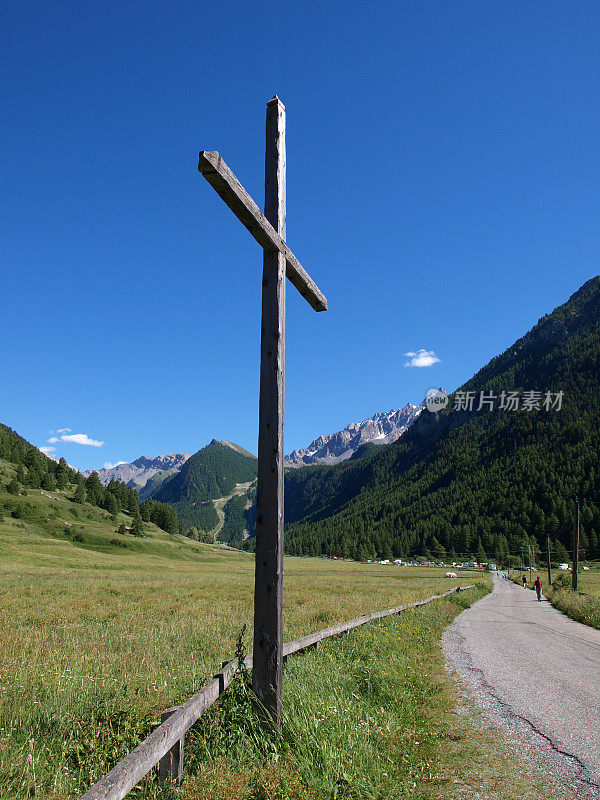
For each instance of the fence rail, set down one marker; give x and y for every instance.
(164, 746)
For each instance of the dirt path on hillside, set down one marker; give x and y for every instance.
(240, 488)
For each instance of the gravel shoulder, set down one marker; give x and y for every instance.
(535, 674)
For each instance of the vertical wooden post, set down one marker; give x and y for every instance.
(170, 766)
(268, 580)
(549, 565)
(575, 573)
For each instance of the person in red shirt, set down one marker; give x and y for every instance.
(538, 588)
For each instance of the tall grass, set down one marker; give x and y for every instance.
(93, 645)
(583, 605)
(578, 607)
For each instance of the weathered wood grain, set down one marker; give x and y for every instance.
(229, 189)
(170, 766)
(268, 572)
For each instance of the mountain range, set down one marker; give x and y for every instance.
(382, 428)
(139, 472)
(147, 474)
(212, 490)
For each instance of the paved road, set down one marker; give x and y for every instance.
(541, 666)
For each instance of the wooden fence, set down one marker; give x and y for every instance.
(164, 746)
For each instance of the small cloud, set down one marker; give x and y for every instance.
(47, 450)
(63, 430)
(80, 438)
(108, 465)
(422, 358)
(53, 440)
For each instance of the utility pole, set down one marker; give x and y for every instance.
(575, 573)
(549, 568)
(530, 559)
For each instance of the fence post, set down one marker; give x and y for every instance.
(170, 766)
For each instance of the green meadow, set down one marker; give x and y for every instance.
(99, 632)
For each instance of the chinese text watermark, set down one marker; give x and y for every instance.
(526, 400)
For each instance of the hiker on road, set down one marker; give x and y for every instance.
(538, 588)
(524, 581)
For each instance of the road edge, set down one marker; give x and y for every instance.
(477, 699)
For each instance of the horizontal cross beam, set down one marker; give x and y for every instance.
(229, 189)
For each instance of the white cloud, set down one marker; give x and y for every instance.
(46, 450)
(108, 465)
(53, 440)
(422, 358)
(63, 430)
(80, 438)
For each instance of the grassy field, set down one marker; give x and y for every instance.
(96, 639)
(584, 605)
(99, 633)
(589, 582)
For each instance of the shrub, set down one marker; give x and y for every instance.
(563, 581)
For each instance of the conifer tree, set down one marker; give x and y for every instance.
(133, 502)
(111, 504)
(137, 528)
(62, 478)
(34, 479)
(94, 489)
(48, 482)
(481, 554)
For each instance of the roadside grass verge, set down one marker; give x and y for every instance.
(581, 608)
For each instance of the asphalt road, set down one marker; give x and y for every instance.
(540, 666)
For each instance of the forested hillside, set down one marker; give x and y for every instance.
(34, 470)
(209, 474)
(482, 480)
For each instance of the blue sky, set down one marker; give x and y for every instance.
(442, 190)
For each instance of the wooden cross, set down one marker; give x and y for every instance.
(278, 262)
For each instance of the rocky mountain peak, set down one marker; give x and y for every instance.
(382, 428)
(138, 473)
